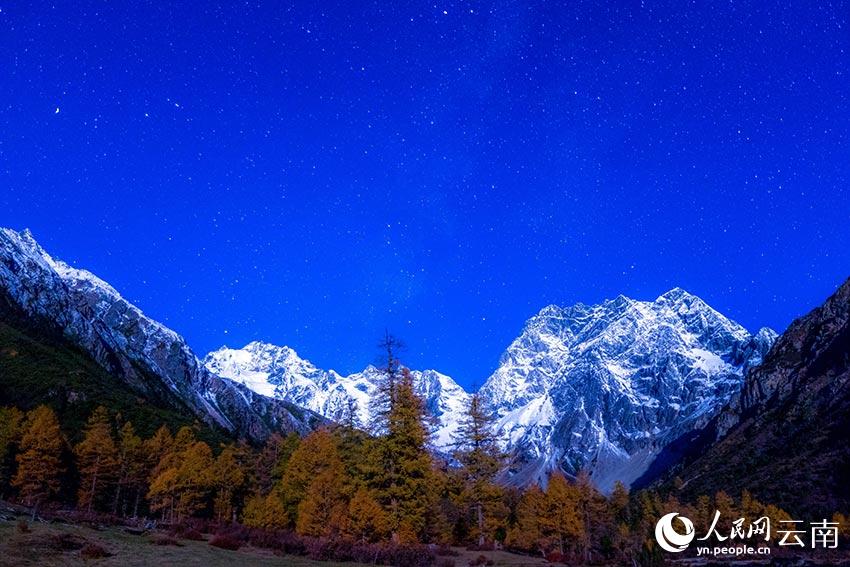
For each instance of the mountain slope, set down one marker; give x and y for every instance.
(46, 294)
(606, 388)
(280, 373)
(788, 433)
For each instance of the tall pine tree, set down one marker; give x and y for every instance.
(401, 465)
(477, 450)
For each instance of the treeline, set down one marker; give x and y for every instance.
(341, 483)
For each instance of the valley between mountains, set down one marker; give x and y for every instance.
(626, 390)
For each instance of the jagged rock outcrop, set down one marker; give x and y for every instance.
(786, 437)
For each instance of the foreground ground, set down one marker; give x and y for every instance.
(61, 544)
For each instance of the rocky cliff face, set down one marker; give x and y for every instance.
(605, 388)
(278, 372)
(786, 438)
(146, 354)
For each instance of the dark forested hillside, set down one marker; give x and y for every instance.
(39, 367)
(789, 442)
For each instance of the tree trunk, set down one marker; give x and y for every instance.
(93, 486)
(480, 524)
(117, 500)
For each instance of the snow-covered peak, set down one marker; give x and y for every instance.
(278, 371)
(622, 378)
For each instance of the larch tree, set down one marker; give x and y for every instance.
(402, 468)
(381, 403)
(367, 521)
(228, 479)
(158, 450)
(97, 460)
(194, 479)
(132, 470)
(182, 479)
(529, 530)
(562, 521)
(316, 453)
(40, 457)
(266, 512)
(323, 509)
(477, 450)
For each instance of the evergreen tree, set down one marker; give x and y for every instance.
(270, 463)
(402, 465)
(382, 401)
(477, 450)
(97, 460)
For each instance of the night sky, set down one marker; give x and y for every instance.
(311, 176)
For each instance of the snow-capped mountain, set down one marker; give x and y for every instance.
(152, 359)
(278, 372)
(609, 389)
(605, 388)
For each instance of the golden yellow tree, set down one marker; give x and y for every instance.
(265, 512)
(561, 521)
(316, 453)
(323, 509)
(97, 460)
(228, 479)
(366, 520)
(528, 533)
(194, 479)
(132, 470)
(39, 460)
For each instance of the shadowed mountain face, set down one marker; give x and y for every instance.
(606, 388)
(39, 292)
(786, 437)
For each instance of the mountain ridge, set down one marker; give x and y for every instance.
(603, 388)
(80, 307)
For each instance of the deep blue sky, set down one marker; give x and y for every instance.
(310, 176)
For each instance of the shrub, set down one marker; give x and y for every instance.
(165, 540)
(480, 560)
(556, 557)
(182, 531)
(94, 551)
(225, 542)
(23, 526)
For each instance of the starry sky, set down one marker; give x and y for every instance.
(312, 173)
